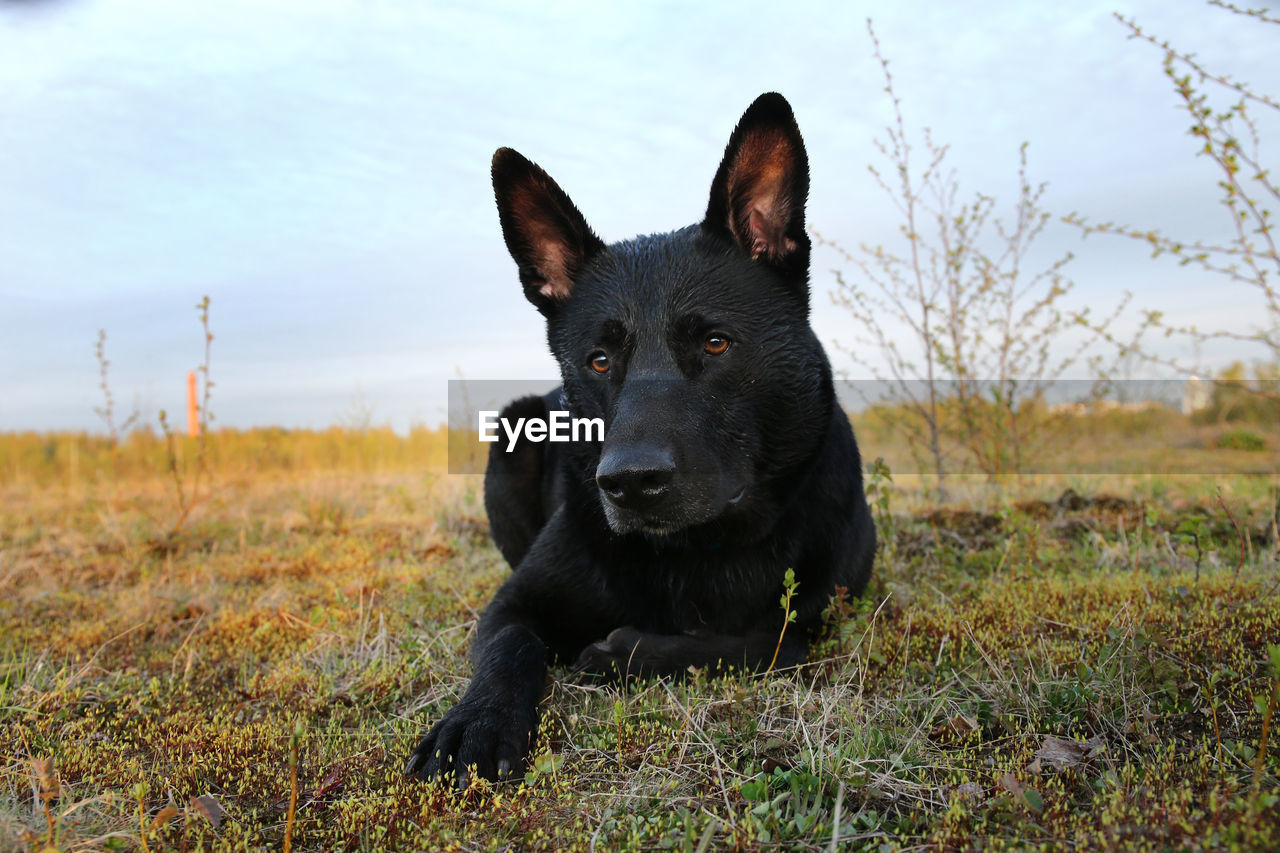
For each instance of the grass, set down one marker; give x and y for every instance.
(1031, 667)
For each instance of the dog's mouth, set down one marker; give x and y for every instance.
(669, 518)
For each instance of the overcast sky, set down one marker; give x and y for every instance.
(319, 168)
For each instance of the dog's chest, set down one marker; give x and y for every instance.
(718, 589)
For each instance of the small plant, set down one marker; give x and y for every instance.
(294, 740)
(1195, 531)
(140, 796)
(790, 802)
(50, 788)
(1273, 670)
(789, 586)
(188, 497)
(107, 411)
(1240, 439)
(879, 479)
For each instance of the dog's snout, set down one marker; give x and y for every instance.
(637, 478)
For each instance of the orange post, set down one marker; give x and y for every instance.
(193, 418)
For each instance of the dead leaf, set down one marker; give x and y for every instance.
(166, 814)
(1028, 797)
(209, 808)
(970, 792)
(1060, 753)
(956, 728)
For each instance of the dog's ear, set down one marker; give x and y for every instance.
(546, 235)
(759, 192)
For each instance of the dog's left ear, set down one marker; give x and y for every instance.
(758, 195)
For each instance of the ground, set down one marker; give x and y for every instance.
(1060, 663)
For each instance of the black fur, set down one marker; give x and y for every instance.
(665, 546)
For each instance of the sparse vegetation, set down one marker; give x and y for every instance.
(107, 411)
(1241, 439)
(187, 478)
(1237, 398)
(1228, 118)
(969, 325)
(1065, 665)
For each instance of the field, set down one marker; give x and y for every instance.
(1059, 662)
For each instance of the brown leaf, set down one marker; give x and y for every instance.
(1028, 797)
(1060, 753)
(956, 728)
(208, 807)
(1010, 783)
(166, 814)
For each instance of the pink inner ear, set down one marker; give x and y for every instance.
(766, 234)
(547, 248)
(537, 220)
(553, 266)
(760, 208)
(554, 292)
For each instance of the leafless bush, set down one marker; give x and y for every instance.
(988, 327)
(1225, 118)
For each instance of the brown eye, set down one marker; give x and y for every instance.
(600, 363)
(716, 345)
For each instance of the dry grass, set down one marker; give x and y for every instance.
(1027, 669)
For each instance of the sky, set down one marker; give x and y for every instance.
(320, 169)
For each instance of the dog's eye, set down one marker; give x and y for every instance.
(716, 345)
(600, 362)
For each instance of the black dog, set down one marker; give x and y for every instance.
(726, 459)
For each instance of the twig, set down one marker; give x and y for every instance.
(788, 615)
(293, 786)
(1239, 535)
(1261, 758)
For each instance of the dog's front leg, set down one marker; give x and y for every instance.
(629, 653)
(552, 603)
(489, 732)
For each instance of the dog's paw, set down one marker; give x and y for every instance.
(616, 656)
(474, 741)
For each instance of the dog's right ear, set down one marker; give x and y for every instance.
(546, 235)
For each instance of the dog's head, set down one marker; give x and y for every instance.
(693, 346)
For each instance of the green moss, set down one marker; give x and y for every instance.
(923, 724)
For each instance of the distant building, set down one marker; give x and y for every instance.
(1196, 395)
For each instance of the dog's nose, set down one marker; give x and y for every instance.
(636, 478)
